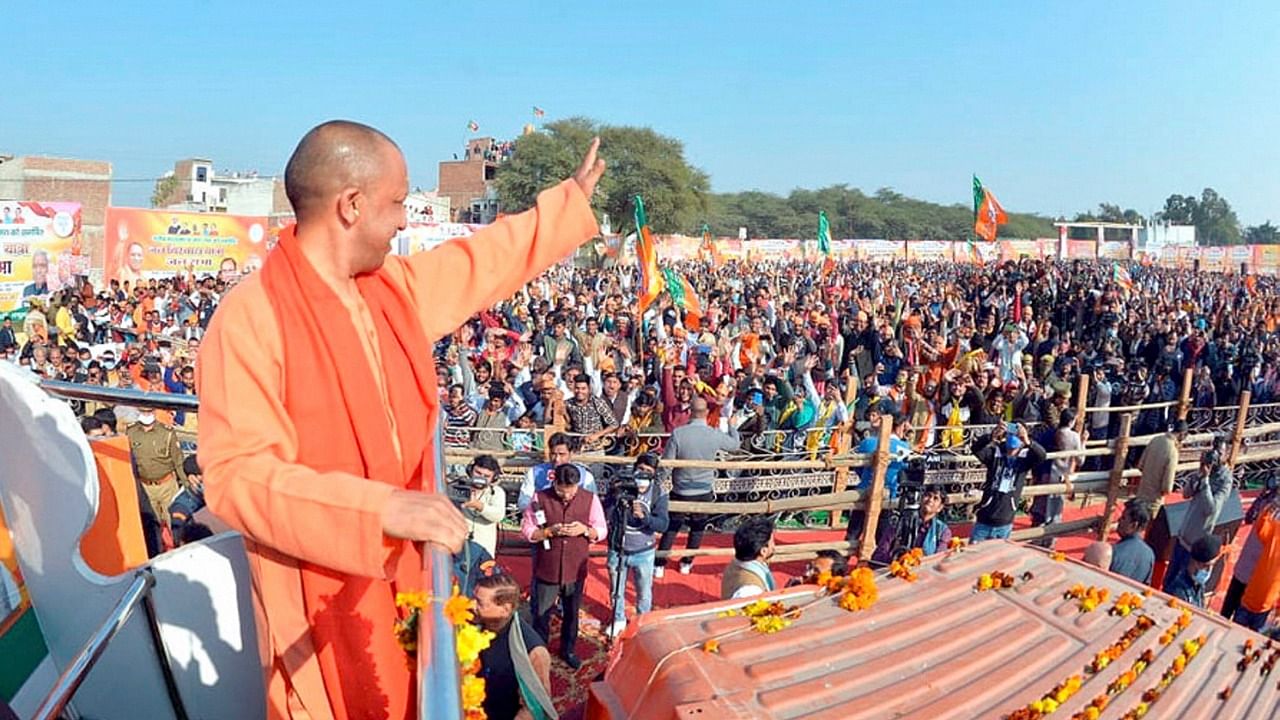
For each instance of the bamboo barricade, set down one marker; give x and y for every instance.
(1111, 483)
(1116, 481)
(1237, 434)
(876, 499)
(1184, 396)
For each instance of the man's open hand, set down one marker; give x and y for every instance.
(591, 169)
(424, 517)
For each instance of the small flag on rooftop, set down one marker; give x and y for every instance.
(473, 126)
(538, 112)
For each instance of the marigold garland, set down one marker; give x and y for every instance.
(1125, 604)
(469, 639)
(766, 617)
(1113, 651)
(904, 567)
(995, 580)
(1089, 598)
(1190, 649)
(857, 590)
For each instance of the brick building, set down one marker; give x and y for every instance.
(468, 183)
(49, 179)
(199, 188)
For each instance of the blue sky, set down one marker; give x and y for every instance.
(1057, 106)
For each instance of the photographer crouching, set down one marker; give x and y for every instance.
(636, 508)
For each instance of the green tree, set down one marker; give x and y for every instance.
(164, 189)
(641, 162)
(1264, 234)
(1216, 223)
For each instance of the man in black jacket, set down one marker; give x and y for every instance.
(1009, 454)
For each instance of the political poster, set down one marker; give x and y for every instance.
(1082, 249)
(40, 250)
(1266, 259)
(417, 237)
(1018, 249)
(929, 251)
(881, 250)
(143, 244)
(1113, 250)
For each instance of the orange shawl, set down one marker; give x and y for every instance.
(342, 426)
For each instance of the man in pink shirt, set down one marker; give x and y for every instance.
(562, 522)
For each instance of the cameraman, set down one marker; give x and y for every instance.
(646, 516)
(934, 535)
(486, 503)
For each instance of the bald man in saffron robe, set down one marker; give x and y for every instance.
(318, 397)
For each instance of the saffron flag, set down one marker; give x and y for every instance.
(538, 112)
(988, 216)
(708, 252)
(1121, 277)
(473, 126)
(651, 285)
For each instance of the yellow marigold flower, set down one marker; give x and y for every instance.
(956, 543)
(457, 610)
(1092, 713)
(411, 600)
(985, 581)
(472, 692)
(759, 607)
(1050, 705)
(1057, 556)
(768, 624)
(471, 640)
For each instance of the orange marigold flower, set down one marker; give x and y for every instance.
(956, 543)
(711, 646)
(1057, 556)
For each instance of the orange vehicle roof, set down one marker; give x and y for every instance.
(936, 648)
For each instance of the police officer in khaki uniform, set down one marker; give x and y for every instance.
(157, 458)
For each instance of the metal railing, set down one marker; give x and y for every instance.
(138, 593)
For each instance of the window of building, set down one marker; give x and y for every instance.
(202, 173)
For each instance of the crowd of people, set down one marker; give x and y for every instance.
(779, 358)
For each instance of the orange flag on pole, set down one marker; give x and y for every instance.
(988, 216)
(651, 285)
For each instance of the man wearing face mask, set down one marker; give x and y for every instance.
(157, 460)
(646, 518)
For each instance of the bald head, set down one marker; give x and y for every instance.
(333, 156)
(698, 408)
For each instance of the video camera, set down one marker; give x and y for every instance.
(625, 487)
(911, 483)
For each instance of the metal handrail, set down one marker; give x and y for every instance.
(121, 396)
(138, 593)
(439, 694)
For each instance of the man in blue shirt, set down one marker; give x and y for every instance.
(899, 450)
(540, 477)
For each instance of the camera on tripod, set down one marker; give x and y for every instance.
(625, 488)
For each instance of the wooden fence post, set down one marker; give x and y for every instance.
(1184, 397)
(844, 441)
(867, 543)
(1117, 476)
(1237, 435)
(1082, 402)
